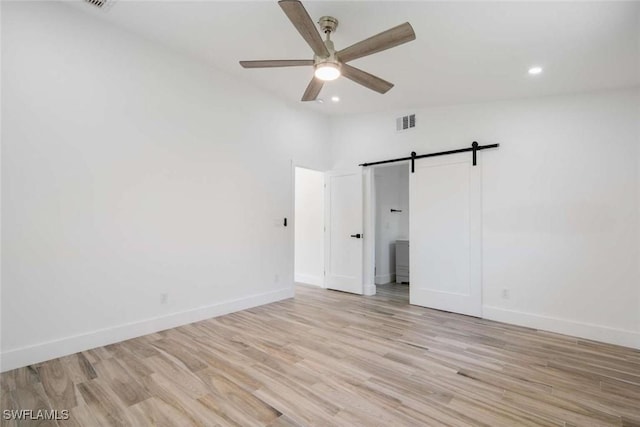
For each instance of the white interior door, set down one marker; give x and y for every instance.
(344, 231)
(445, 232)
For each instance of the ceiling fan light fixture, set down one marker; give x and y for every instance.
(328, 63)
(327, 71)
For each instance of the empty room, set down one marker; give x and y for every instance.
(320, 213)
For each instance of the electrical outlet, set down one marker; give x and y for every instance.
(164, 298)
(505, 293)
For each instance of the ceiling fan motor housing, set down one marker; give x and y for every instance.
(328, 24)
(332, 58)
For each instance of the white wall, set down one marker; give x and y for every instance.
(309, 226)
(392, 192)
(129, 171)
(560, 207)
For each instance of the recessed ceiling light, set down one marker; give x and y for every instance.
(335, 98)
(535, 70)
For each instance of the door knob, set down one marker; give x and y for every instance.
(357, 236)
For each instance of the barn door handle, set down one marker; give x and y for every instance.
(357, 236)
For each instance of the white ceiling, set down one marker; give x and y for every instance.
(465, 52)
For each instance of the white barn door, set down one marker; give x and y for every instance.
(344, 231)
(445, 217)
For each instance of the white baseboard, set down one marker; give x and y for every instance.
(369, 290)
(25, 356)
(309, 279)
(383, 279)
(563, 326)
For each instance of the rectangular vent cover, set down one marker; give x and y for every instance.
(405, 122)
(101, 4)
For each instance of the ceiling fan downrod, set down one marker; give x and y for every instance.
(328, 25)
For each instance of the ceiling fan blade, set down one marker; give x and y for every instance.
(300, 19)
(276, 63)
(365, 79)
(386, 40)
(314, 88)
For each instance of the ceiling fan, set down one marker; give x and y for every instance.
(330, 64)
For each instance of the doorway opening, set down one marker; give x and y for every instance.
(391, 187)
(308, 226)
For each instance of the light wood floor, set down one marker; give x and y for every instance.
(329, 358)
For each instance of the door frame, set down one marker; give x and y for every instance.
(296, 164)
(369, 277)
(369, 230)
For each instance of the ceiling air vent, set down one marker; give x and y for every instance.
(405, 122)
(100, 4)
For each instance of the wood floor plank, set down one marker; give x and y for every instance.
(155, 412)
(242, 406)
(125, 386)
(8, 403)
(21, 377)
(182, 401)
(34, 398)
(104, 403)
(328, 358)
(283, 421)
(80, 416)
(58, 384)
